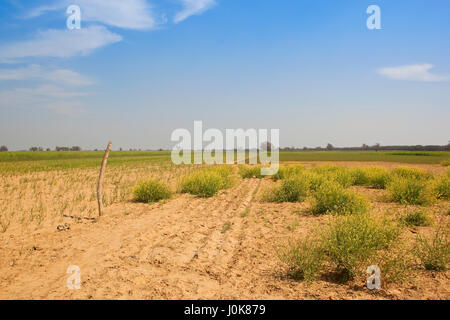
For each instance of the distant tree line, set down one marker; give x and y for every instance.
(375, 147)
(74, 148)
(3, 149)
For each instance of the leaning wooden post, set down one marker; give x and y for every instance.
(100, 178)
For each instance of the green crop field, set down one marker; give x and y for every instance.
(48, 160)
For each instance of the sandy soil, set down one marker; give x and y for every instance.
(185, 248)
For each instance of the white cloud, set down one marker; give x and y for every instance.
(55, 98)
(31, 72)
(417, 72)
(193, 7)
(127, 14)
(61, 43)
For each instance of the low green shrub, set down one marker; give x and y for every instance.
(445, 163)
(207, 182)
(410, 191)
(315, 180)
(333, 198)
(293, 189)
(249, 172)
(434, 252)
(151, 191)
(360, 176)
(351, 241)
(442, 187)
(378, 177)
(411, 173)
(289, 171)
(340, 174)
(304, 258)
(416, 219)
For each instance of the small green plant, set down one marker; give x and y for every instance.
(289, 171)
(442, 188)
(315, 180)
(151, 191)
(207, 182)
(333, 198)
(350, 241)
(341, 175)
(304, 258)
(248, 172)
(360, 176)
(411, 173)
(410, 191)
(226, 227)
(378, 177)
(434, 252)
(417, 219)
(293, 189)
(445, 163)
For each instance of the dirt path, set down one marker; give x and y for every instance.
(187, 248)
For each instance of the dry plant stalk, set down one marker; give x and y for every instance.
(100, 178)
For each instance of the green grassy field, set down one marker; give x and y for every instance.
(37, 161)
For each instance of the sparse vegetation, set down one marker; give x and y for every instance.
(410, 191)
(248, 172)
(434, 252)
(445, 163)
(207, 182)
(152, 191)
(350, 241)
(304, 258)
(417, 219)
(411, 173)
(293, 189)
(289, 171)
(442, 187)
(333, 198)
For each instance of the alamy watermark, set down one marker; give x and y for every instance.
(74, 280)
(74, 19)
(236, 144)
(374, 20)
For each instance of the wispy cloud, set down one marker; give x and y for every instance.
(193, 7)
(416, 72)
(32, 72)
(127, 14)
(58, 99)
(61, 43)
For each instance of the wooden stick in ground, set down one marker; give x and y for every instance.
(100, 178)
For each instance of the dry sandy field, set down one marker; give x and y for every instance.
(186, 247)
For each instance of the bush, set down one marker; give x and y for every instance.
(416, 219)
(151, 191)
(442, 188)
(293, 189)
(350, 241)
(333, 198)
(378, 177)
(434, 252)
(411, 173)
(340, 174)
(360, 176)
(410, 191)
(207, 182)
(248, 172)
(445, 163)
(289, 171)
(315, 180)
(304, 258)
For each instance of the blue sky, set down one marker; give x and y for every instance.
(139, 69)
